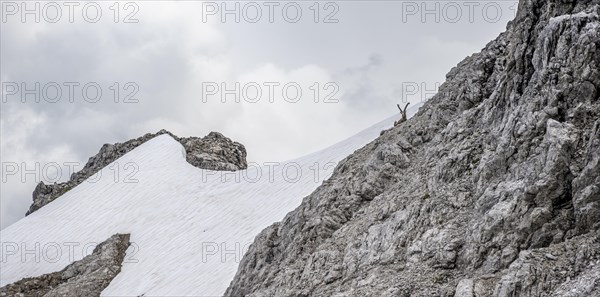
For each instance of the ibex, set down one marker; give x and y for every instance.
(402, 114)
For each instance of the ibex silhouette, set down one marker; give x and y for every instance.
(402, 114)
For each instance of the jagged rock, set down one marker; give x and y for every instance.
(86, 277)
(213, 152)
(492, 189)
(565, 269)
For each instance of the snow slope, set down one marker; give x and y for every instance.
(189, 227)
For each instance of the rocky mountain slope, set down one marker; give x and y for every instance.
(492, 189)
(86, 277)
(188, 227)
(214, 152)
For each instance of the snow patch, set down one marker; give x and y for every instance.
(189, 227)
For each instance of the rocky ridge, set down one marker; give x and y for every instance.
(213, 152)
(492, 189)
(84, 278)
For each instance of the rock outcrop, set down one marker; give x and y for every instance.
(214, 152)
(84, 278)
(492, 189)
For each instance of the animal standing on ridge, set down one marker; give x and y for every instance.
(402, 114)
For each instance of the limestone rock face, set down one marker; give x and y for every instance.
(214, 152)
(84, 278)
(492, 189)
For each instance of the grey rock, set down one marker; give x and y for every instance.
(85, 278)
(469, 197)
(570, 271)
(214, 152)
(465, 288)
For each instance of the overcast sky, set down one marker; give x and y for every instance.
(169, 61)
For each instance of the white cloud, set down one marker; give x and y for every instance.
(17, 154)
(171, 52)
